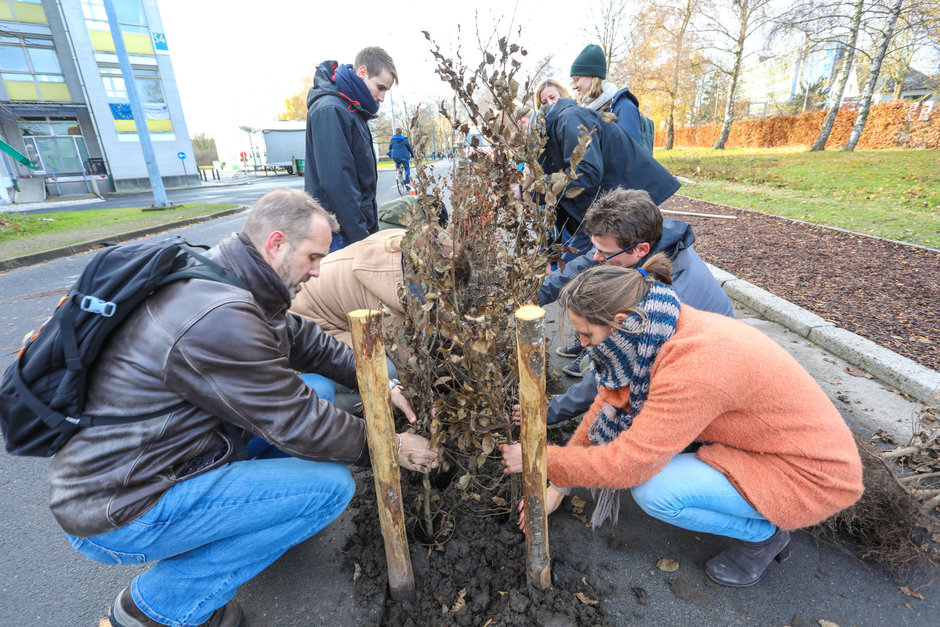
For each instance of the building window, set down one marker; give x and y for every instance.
(22, 11)
(57, 145)
(31, 70)
(131, 18)
(152, 99)
(129, 12)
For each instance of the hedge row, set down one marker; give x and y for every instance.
(891, 125)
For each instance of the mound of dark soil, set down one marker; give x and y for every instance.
(476, 578)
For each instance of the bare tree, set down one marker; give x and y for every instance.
(918, 27)
(835, 94)
(869, 91)
(750, 16)
(608, 25)
(677, 22)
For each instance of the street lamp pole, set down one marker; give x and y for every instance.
(140, 120)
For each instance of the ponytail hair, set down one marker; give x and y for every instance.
(600, 293)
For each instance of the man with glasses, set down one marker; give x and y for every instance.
(626, 227)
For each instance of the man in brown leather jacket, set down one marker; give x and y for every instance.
(166, 490)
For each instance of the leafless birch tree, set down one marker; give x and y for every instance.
(864, 105)
(749, 16)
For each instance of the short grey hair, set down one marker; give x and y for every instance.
(287, 210)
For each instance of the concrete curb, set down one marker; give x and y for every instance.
(909, 377)
(64, 251)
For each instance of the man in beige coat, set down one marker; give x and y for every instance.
(364, 275)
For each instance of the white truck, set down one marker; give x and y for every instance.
(277, 146)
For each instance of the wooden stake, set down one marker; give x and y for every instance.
(372, 373)
(530, 342)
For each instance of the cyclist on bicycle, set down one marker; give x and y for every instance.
(399, 149)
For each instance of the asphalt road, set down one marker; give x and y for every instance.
(43, 581)
(219, 192)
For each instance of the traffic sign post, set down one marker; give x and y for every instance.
(182, 156)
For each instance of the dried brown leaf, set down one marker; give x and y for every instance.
(855, 372)
(460, 602)
(667, 565)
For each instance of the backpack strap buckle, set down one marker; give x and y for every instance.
(93, 304)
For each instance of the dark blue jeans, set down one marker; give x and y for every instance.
(212, 533)
(407, 166)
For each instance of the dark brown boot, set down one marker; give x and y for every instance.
(229, 615)
(125, 613)
(744, 563)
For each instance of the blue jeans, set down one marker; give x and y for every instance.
(339, 242)
(404, 163)
(212, 533)
(690, 494)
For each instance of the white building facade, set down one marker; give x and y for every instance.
(64, 104)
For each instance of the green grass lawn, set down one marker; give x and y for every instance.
(890, 193)
(22, 234)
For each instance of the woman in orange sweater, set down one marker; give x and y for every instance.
(774, 454)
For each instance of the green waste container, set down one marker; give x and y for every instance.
(299, 167)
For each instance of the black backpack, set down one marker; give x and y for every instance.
(42, 394)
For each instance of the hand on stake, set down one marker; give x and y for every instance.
(516, 415)
(553, 498)
(415, 454)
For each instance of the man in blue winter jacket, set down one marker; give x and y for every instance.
(400, 150)
(626, 228)
(340, 167)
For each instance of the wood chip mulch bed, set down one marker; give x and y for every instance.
(882, 290)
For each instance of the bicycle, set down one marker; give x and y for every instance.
(400, 181)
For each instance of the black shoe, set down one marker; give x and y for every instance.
(744, 563)
(572, 350)
(125, 613)
(580, 366)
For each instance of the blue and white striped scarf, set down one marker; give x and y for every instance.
(625, 359)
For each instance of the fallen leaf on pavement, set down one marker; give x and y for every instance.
(584, 599)
(911, 592)
(667, 565)
(855, 372)
(827, 623)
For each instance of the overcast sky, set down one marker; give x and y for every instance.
(237, 60)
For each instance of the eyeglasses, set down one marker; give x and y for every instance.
(619, 252)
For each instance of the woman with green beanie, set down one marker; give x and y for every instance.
(587, 78)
